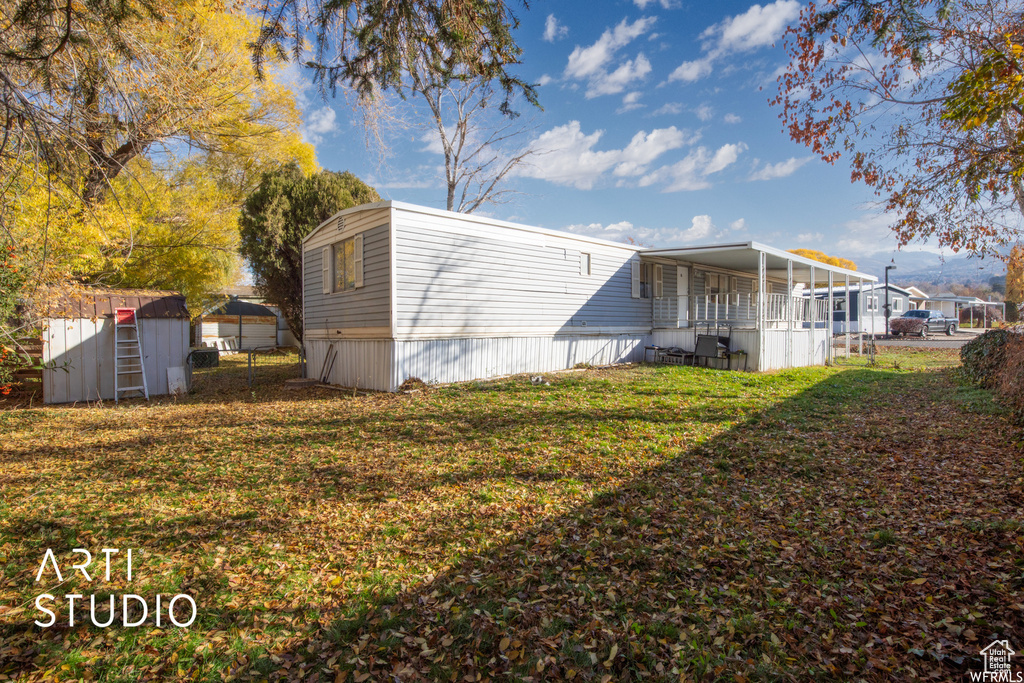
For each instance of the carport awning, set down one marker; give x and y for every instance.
(743, 256)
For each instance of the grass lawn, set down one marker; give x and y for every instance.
(667, 523)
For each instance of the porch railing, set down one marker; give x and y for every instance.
(737, 309)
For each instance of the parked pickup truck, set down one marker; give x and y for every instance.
(921, 322)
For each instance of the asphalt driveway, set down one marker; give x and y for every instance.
(932, 341)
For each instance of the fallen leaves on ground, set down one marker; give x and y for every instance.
(641, 522)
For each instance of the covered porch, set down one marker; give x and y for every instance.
(751, 293)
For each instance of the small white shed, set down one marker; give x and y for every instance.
(78, 340)
(238, 325)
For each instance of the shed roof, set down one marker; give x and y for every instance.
(101, 302)
(239, 307)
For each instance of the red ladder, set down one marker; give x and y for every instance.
(128, 355)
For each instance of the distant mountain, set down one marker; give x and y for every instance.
(927, 267)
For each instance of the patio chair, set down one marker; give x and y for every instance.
(676, 356)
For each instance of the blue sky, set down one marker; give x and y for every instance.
(655, 125)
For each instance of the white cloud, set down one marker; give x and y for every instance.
(691, 173)
(544, 80)
(587, 61)
(732, 118)
(566, 156)
(624, 231)
(665, 4)
(691, 71)
(617, 81)
(630, 102)
(553, 30)
(739, 224)
(724, 157)
(645, 148)
(701, 228)
(432, 142)
(704, 112)
(617, 232)
(805, 237)
(756, 28)
(421, 177)
(870, 233)
(591, 63)
(318, 124)
(779, 170)
(669, 108)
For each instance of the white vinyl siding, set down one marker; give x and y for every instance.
(368, 305)
(454, 276)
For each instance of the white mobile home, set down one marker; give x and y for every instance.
(393, 291)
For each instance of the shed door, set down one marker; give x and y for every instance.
(683, 292)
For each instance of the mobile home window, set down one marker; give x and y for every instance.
(897, 305)
(584, 263)
(871, 303)
(713, 283)
(343, 265)
(646, 284)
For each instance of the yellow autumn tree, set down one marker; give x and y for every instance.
(814, 255)
(170, 133)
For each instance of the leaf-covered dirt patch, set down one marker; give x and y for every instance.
(639, 522)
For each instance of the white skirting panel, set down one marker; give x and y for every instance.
(80, 357)
(683, 337)
(460, 360)
(385, 364)
(808, 348)
(363, 363)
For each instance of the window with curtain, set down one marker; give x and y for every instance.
(344, 265)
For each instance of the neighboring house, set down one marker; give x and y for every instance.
(918, 298)
(393, 291)
(247, 293)
(238, 325)
(861, 308)
(951, 305)
(78, 341)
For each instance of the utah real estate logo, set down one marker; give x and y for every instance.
(997, 664)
